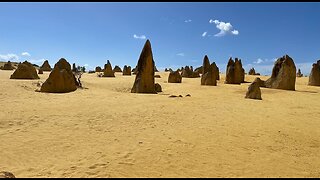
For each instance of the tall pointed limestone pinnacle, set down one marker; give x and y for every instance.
(206, 64)
(144, 82)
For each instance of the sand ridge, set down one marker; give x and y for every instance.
(104, 130)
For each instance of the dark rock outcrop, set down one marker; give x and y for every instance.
(314, 77)
(235, 73)
(117, 69)
(254, 91)
(252, 71)
(187, 72)
(5, 174)
(208, 77)
(46, 66)
(283, 74)
(174, 77)
(98, 69)
(25, 70)
(158, 88)
(299, 74)
(108, 72)
(8, 66)
(126, 71)
(61, 79)
(144, 81)
(40, 71)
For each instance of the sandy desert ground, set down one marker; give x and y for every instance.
(104, 130)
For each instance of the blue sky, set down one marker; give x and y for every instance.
(180, 33)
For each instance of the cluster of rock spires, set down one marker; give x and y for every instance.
(144, 81)
(235, 72)
(61, 79)
(25, 70)
(98, 69)
(314, 77)
(187, 72)
(108, 72)
(8, 66)
(252, 71)
(283, 74)
(210, 73)
(174, 77)
(117, 69)
(283, 77)
(126, 70)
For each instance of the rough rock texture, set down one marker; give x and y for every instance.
(205, 65)
(46, 66)
(254, 91)
(174, 77)
(252, 71)
(188, 73)
(144, 81)
(117, 69)
(61, 79)
(126, 70)
(314, 77)
(25, 70)
(299, 74)
(98, 69)
(235, 73)
(215, 70)
(108, 72)
(40, 71)
(8, 66)
(208, 77)
(158, 88)
(157, 76)
(283, 74)
(4, 174)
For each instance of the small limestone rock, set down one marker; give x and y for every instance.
(4, 174)
(254, 91)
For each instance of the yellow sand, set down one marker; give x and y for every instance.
(106, 131)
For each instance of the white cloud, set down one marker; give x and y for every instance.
(225, 28)
(258, 61)
(180, 54)
(265, 61)
(139, 37)
(86, 65)
(204, 34)
(235, 32)
(25, 54)
(187, 21)
(9, 57)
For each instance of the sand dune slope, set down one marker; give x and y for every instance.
(106, 131)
